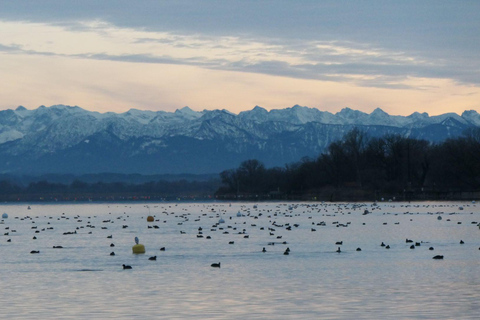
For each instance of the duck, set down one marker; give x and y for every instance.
(112, 253)
(126, 267)
(154, 258)
(215, 265)
(438, 257)
(338, 250)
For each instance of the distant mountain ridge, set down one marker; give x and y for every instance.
(70, 140)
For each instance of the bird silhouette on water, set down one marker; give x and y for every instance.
(215, 265)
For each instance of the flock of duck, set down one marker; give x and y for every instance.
(192, 220)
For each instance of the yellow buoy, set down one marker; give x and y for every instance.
(138, 248)
(150, 219)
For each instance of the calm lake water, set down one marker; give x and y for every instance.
(82, 280)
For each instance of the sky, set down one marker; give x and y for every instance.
(115, 55)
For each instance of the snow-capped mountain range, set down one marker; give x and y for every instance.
(64, 139)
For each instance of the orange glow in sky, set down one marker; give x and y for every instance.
(104, 65)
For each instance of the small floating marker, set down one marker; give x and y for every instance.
(221, 220)
(150, 219)
(138, 248)
(4, 216)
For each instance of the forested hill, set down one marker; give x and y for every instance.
(363, 167)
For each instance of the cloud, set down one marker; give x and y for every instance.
(342, 61)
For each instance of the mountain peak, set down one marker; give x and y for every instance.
(52, 139)
(379, 111)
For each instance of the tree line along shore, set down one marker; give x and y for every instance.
(354, 168)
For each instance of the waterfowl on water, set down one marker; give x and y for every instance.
(438, 257)
(152, 258)
(126, 267)
(215, 265)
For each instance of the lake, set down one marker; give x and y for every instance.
(400, 280)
